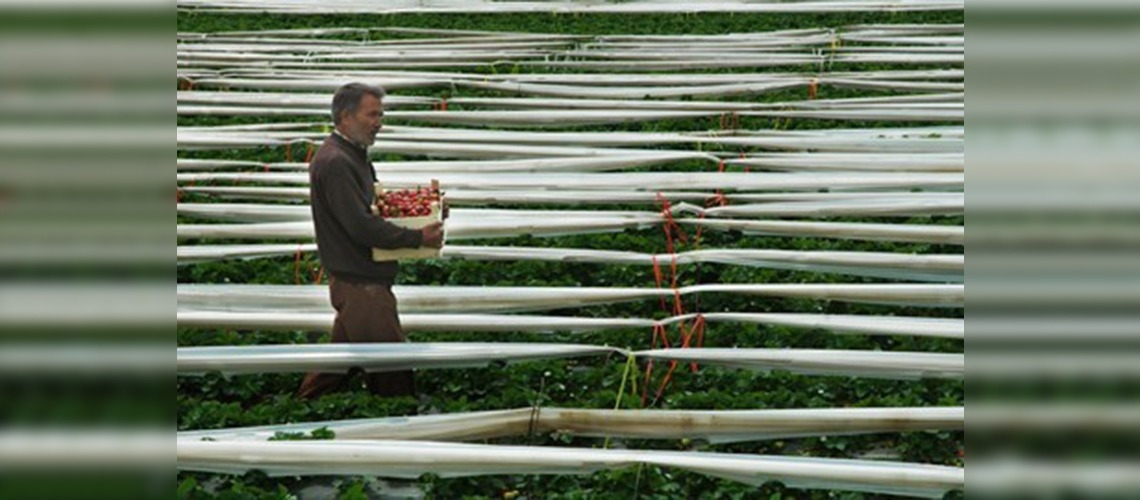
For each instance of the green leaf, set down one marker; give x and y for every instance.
(186, 487)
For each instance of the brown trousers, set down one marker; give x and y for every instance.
(364, 313)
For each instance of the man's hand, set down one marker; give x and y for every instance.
(433, 235)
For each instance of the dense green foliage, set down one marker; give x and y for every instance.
(215, 402)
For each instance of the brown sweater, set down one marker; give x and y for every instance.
(341, 193)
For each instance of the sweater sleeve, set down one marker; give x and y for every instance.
(353, 213)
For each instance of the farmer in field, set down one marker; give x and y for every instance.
(341, 181)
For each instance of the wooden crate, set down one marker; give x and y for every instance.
(436, 215)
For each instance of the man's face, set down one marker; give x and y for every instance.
(362, 125)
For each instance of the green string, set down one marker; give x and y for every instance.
(630, 367)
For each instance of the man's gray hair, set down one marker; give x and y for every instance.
(347, 98)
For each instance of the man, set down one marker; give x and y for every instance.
(341, 192)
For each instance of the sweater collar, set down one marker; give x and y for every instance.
(362, 150)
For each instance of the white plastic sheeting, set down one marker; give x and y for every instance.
(357, 50)
(507, 298)
(342, 357)
(446, 147)
(412, 299)
(410, 459)
(194, 254)
(215, 102)
(823, 205)
(797, 203)
(486, 323)
(923, 295)
(321, 78)
(950, 235)
(924, 267)
(581, 85)
(749, 49)
(537, 59)
(842, 323)
(646, 181)
(500, 144)
(311, 7)
(410, 322)
(544, 118)
(499, 299)
(371, 357)
(507, 227)
(937, 162)
(930, 36)
(948, 138)
(311, 130)
(935, 266)
(736, 88)
(721, 106)
(884, 205)
(874, 364)
(329, 84)
(287, 100)
(499, 227)
(948, 112)
(558, 118)
(947, 235)
(210, 103)
(567, 164)
(726, 426)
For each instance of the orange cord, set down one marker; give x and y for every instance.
(297, 266)
(309, 150)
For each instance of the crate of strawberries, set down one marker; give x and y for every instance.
(412, 209)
